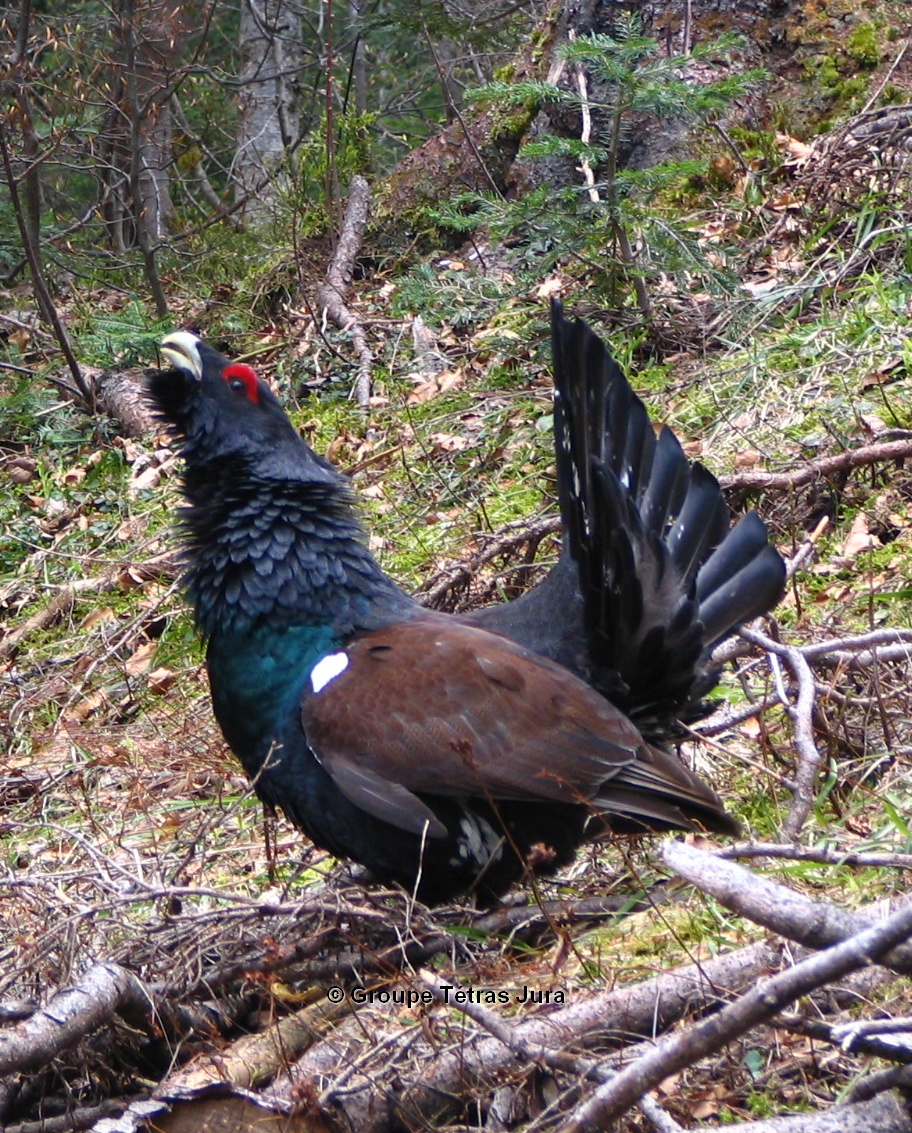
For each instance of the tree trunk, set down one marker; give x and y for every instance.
(135, 141)
(268, 130)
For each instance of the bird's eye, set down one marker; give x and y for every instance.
(242, 379)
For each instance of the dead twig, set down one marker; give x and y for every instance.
(801, 714)
(862, 650)
(162, 566)
(495, 1025)
(461, 574)
(871, 1045)
(42, 294)
(896, 1078)
(83, 1118)
(58, 607)
(257, 1058)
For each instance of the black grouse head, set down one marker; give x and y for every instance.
(223, 415)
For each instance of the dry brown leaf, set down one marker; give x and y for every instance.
(670, 1087)
(550, 287)
(724, 167)
(96, 617)
(72, 477)
(873, 425)
(21, 469)
(19, 338)
(140, 660)
(889, 372)
(161, 679)
(129, 579)
(760, 286)
(449, 379)
(447, 442)
(426, 391)
(717, 230)
(85, 707)
(708, 1107)
(750, 727)
(793, 147)
(145, 478)
(495, 332)
(858, 825)
(747, 459)
(860, 538)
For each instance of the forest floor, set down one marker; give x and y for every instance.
(132, 848)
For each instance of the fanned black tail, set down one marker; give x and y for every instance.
(662, 576)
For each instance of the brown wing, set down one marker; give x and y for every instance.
(439, 708)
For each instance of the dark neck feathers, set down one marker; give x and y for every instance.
(280, 553)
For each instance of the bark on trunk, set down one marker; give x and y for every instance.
(268, 103)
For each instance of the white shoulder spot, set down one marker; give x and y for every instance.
(327, 670)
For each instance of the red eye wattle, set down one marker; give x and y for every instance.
(242, 378)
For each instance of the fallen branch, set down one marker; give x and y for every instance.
(463, 573)
(162, 566)
(757, 1006)
(332, 293)
(122, 396)
(254, 1059)
(83, 1118)
(885, 1114)
(497, 1026)
(814, 924)
(377, 1100)
(862, 650)
(845, 1038)
(896, 1077)
(865, 859)
(73, 1012)
(817, 469)
(58, 607)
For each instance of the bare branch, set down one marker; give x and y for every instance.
(823, 856)
(809, 758)
(48, 310)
